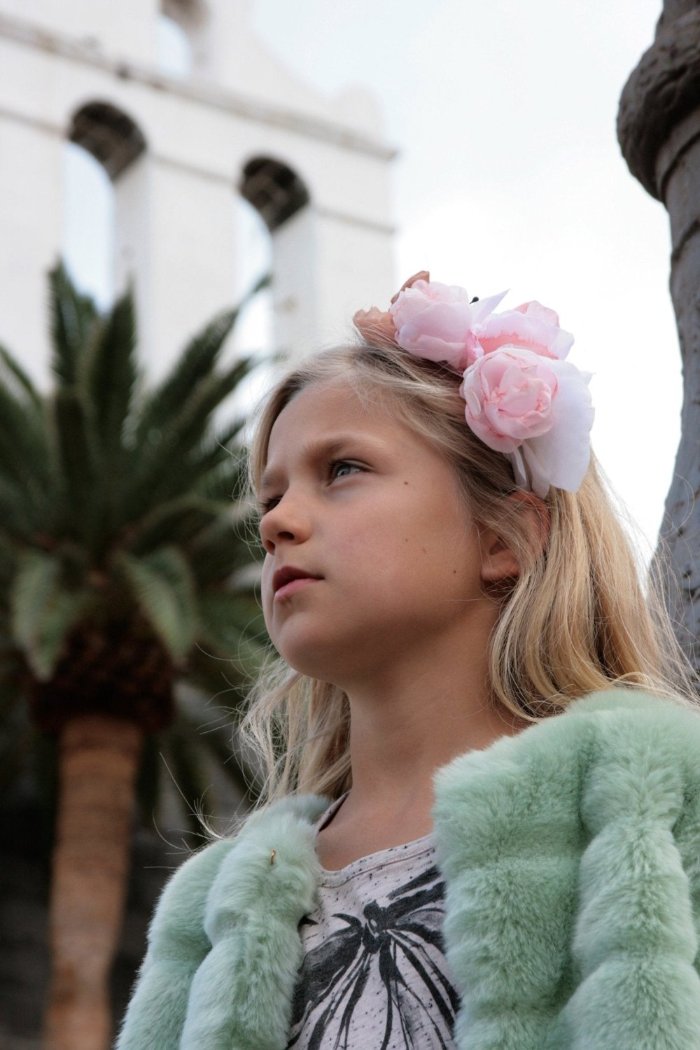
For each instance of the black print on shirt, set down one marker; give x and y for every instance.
(334, 975)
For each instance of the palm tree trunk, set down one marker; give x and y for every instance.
(98, 764)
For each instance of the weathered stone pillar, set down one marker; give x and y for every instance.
(658, 127)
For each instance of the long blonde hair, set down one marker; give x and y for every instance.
(576, 620)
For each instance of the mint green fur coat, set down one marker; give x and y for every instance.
(571, 855)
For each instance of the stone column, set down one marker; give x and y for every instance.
(658, 128)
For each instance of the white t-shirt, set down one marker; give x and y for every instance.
(374, 974)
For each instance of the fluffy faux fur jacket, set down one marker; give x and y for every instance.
(571, 855)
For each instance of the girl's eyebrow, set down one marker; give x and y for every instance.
(319, 449)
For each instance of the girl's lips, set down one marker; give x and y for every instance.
(289, 579)
(297, 584)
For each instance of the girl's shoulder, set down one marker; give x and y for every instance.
(613, 722)
(609, 756)
(626, 727)
(624, 724)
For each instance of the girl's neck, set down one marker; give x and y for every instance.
(402, 730)
(396, 746)
(414, 714)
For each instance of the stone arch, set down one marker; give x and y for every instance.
(274, 189)
(109, 134)
(192, 15)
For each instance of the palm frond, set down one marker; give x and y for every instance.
(231, 625)
(23, 445)
(195, 365)
(165, 467)
(74, 319)
(79, 483)
(178, 521)
(220, 551)
(162, 585)
(21, 379)
(224, 475)
(190, 370)
(22, 513)
(217, 676)
(110, 378)
(227, 438)
(43, 610)
(214, 453)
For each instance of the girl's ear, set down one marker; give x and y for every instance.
(499, 562)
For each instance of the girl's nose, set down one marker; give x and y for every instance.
(286, 522)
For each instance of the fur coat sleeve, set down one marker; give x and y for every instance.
(572, 861)
(571, 855)
(224, 949)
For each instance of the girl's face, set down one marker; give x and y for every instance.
(370, 552)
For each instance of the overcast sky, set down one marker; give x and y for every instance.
(510, 177)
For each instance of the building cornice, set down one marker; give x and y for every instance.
(89, 53)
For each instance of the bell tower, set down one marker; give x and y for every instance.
(178, 149)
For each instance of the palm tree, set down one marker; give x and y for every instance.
(127, 597)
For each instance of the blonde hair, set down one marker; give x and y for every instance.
(576, 619)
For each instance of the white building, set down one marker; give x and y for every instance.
(178, 148)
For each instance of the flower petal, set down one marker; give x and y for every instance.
(422, 275)
(561, 456)
(375, 326)
(433, 321)
(529, 326)
(483, 307)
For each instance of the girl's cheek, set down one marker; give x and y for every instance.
(266, 586)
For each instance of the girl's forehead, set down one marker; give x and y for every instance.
(330, 403)
(328, 414)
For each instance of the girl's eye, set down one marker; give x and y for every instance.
(265, 505)
(341, 468)
(337, 468)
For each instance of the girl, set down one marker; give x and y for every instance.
(482, 818)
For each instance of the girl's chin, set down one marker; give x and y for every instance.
(322, 665)
(333, 656)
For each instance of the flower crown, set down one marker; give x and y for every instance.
(521, 397)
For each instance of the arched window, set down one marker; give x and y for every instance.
(88, 224)
(254, 331)
(274, 194)
(280, 199)
(182, 35)
(103, 143)
(174, 50)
